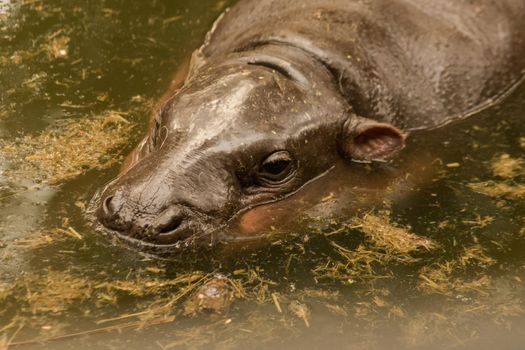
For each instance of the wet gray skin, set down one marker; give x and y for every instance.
(278, 94)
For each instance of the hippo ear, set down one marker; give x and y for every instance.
(368, 140)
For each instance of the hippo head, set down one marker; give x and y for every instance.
(245, 131)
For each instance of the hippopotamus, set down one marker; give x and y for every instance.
(281, 90)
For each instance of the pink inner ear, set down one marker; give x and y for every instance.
(377, 142)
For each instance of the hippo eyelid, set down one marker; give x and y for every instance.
(276, 169)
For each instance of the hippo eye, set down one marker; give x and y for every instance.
(276, 168)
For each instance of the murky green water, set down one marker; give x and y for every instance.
(378, 259)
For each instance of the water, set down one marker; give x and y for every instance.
(365, 258)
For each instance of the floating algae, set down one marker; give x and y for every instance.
(61, 292)
(507, 167)
(360, 264)
(57, 45)
(464, 279)
(385, 243)
(160, 300)
(46, 237)
(70, 149)
(40, 299)
(498, 189)
(394, 239)
(141, 286)
(50, 47)
(55, 292)
(442, 278)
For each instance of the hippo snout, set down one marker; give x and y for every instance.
(165, 226)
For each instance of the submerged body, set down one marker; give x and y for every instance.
(281, 91)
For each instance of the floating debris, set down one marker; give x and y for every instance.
(442, 278)
(58, 292)
(71, 149)
(453, 165)
(46, 237)
(475, 255)
(394, 239)
(57, 47)
(172, 19)
(161, 310)
(275, 298)
(479, 221)
(507, 167)
(141, 286)
(55, 292)
(36, 82)
(301, 311)
(385, 243)
(498, 189)
(215, 295)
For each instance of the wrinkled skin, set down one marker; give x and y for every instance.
(280, 92)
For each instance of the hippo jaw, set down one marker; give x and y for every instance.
(245, 132)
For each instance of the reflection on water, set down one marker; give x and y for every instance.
(424, 253)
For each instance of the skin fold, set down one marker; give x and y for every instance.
(281, 92)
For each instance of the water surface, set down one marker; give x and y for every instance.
(428, 252)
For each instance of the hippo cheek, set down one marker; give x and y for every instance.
(262, 219)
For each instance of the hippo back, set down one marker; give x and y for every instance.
(413, 63)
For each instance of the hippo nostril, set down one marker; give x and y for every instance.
(168, 223)
(170, 226)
